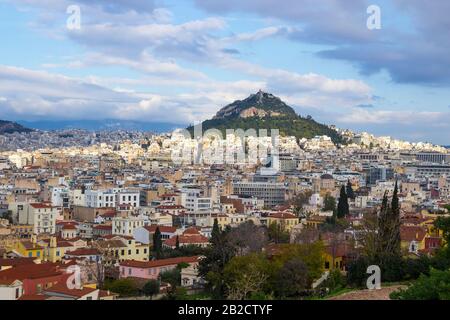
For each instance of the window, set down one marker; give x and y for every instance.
(88, 298)
(129, 271)
(327, 265)
(129, 252)
(17, 293)
(38, 254)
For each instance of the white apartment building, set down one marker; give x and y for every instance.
(42, 216)
(126, 226)
(111, 198)
(193, 201)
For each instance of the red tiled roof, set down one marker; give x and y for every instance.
(61, 288)
(186, 239)
(282, 215)
(165, 229)
(31, 271)
(13, 262)
(158, 263)
(41, 206)
(102, 227)
(412, 233)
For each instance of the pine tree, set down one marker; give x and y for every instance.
(343, 207)
(350, 193)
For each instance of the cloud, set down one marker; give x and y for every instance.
(412, 45)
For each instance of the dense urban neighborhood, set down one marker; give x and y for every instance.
(112, 215)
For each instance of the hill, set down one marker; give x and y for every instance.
(12, 127)
(266, 111)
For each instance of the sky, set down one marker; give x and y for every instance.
(180, 61)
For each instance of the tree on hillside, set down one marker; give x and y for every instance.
(389, 226)
(151, 288)
(157, 243)
(217, 256)
(246, 275)
(350, 192)
(248, 237)
(300, 201)
(343, 207)
(292, 279)
(329, 203)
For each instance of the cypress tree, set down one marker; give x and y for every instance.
(343, 207)
(157, 243)
(350, 193)
(395, 221)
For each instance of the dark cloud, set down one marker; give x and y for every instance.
(416, 51)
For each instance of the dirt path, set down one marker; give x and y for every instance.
(382, 294)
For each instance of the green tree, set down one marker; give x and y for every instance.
(329, 203)
(215, 258)
(389, 227)
(349, 189)
(436, 286)
(246, 275)
(157, 243)
(292, 279)
(123, 287)
(151, 288)
(343, 209)
(277, 233)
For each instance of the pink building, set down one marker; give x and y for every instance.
(152, 269)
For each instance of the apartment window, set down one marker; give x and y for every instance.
(129, 252)
(137, 251)
(17, 293)
(129, 271)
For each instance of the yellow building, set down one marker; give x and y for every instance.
(54, 250)
(284, 219)
(29, 248)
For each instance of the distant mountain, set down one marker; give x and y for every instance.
(265, 111)
(95, 125)
(12, 127)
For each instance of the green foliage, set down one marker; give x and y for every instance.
(151, 288)
(343, 209)
(311, 254)
(436, 286)
(329, 203)
(357, 271)
(443, 223)
(157, 243)
(287, 121)
(123, 287)
(349, 190)
(246, 275)
(336, 281)
(277, 233)
(217, 256)
(292, 279)
(172, 276)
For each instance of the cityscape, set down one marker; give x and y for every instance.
(139, 172)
